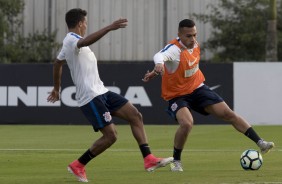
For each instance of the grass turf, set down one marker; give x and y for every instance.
(40, 154)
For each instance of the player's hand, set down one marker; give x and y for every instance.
(159, 68)
(120, 23)
(54, 96)
(149, 75)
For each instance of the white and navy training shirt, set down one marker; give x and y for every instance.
(83, 68)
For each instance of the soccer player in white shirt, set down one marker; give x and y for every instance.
(96, 102)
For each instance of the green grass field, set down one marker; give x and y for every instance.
(40, 154)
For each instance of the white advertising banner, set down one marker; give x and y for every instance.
(258, 92)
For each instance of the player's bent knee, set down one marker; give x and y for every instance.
(110, 137)
(136, 117)
(186, 125)
(139, 116)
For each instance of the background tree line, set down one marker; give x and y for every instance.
(245, 30)
(40, 47)
(242, 30)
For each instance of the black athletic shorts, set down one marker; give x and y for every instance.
(98, 110)
(197, 101)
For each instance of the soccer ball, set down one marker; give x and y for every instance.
(251, 160)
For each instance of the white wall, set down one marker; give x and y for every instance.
(258, 92)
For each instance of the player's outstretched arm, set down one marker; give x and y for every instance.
(92, 38)
(57, 75)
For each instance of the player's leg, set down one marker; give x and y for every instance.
(109, 137)
(100, 118)
(129, 113)
(77, 167)
(222, 111)
(185, 120)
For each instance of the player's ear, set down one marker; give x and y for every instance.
(80, 24)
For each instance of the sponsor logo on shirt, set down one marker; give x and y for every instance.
(193, 62)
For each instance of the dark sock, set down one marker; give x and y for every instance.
(86, 157)
(252, 135)
(145, 150)
(177, 154)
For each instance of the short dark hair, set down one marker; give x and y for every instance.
(74, 16)
(186, 23)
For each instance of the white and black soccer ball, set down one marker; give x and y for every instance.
(251, 160)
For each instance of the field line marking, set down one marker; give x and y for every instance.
(123, 150)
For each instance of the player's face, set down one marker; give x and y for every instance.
(188, 36)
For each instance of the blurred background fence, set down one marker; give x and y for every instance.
(228, 30)
(152, 23)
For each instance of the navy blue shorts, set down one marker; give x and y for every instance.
(98, 110)
(197, 101)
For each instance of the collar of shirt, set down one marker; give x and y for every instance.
(76, 35)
